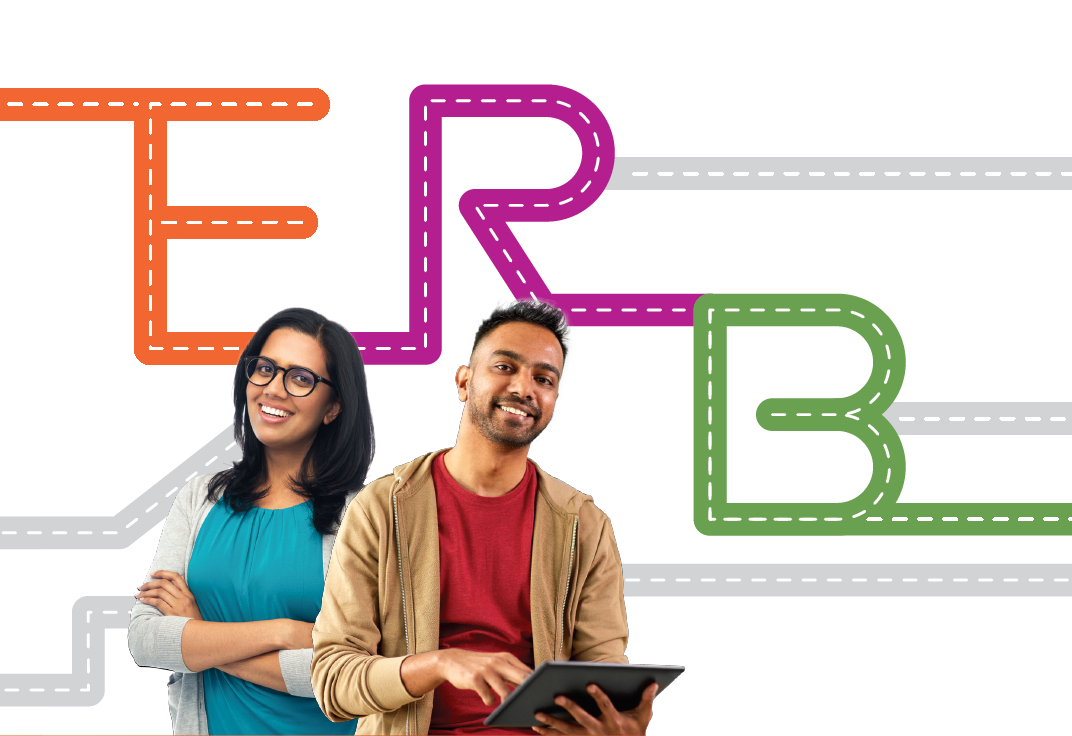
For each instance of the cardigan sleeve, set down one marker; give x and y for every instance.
(296, 666)
(155, 640)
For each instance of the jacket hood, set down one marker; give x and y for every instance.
(563, 497)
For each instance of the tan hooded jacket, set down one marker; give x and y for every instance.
(381, 598)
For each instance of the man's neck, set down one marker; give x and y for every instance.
(483, 467)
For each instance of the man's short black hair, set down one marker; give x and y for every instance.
(530, 312)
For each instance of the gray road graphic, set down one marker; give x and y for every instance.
(981, 417)
(90, 616)
(841, 173)
(119, 531)
(848, 580)
(84, 685)
(150, 508)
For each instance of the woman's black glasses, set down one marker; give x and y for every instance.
(297, 381)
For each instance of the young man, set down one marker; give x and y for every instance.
(456, 575)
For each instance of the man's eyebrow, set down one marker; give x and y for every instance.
(514, 356)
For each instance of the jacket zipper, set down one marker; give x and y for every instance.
(569, 575)
(402, 584)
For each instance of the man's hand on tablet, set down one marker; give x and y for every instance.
(610, 721)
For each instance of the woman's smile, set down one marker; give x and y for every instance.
(274, 414)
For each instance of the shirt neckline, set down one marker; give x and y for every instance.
(467, 496)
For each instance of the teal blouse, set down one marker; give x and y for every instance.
(258, 565)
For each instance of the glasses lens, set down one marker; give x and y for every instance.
(300, 382)
(260, 371)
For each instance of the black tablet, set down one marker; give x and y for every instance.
(623, 683)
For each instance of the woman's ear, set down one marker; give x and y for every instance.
(336, 407)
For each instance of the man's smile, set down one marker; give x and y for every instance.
(514, 411)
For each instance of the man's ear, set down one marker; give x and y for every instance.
(461, 379)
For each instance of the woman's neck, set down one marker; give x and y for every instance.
(281, 467)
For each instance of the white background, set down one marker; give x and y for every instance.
(975, 282)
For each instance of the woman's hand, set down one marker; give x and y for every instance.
(611, 721)
(169, 594)
(295, 634)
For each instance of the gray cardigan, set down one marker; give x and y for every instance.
(155, 640)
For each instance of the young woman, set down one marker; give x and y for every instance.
(238, 577)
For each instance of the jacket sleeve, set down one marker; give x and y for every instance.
(600, 630)
(350, 678)
(155, 640)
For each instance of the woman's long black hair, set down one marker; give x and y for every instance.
(342, 450)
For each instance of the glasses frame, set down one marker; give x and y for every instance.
(319, 379)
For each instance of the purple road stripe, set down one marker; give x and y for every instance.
(642, 310)
(488, 213)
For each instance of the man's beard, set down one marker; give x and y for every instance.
(485, 422)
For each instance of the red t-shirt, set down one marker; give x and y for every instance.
(485, 551)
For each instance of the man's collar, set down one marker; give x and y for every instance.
(563, 498)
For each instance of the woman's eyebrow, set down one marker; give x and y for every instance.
(287, 367)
